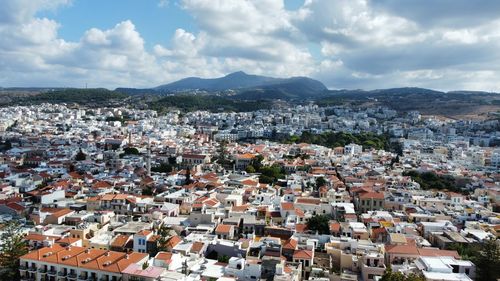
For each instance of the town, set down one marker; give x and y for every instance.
(296, 192)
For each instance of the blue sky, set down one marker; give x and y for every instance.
(156, 20)
(452, 44)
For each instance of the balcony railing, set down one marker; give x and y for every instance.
(82, 277)
(62, 273)
(72, 275)
(42, 270)
(23, 268)
(52, 272)
(32, 269)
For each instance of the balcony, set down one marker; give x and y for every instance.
(32, 269)
(82, 277)
(23, 268)
(52, 272)
(42, 270)
(72, 276)
(62, 274)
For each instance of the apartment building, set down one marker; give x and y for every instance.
(77, 263)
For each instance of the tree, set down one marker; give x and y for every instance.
(223, 259)
(319, 223)
(487, 260)
(12, 246)
(389, 275)
(257, 162)
(165, 234)
(320, 182)
(188, 176)
(163, 168)
(250, 169)
(80, 156)
(130, 150)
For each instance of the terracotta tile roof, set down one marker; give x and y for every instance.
(164, 256)
(62, 212)
(101, 184)
(302, 254)
(401, 249)
(290, 244)
(372, 195)
(67, 241)
(247, 156)
(15, 206)
(39, 237)
(120, 241)
(334, 227)
(240, 208)
(287, 206)
(431, 252)
(224, 228)
(144, 232)
(300, 227)
(308, 200)
(173, 241)
(197, 247)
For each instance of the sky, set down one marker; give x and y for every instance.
(346, 44)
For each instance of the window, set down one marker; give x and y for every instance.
(467, 271)
(370, 276)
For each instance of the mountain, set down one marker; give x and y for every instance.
(249, 86)
(231, 81)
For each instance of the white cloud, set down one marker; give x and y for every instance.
(344, 43)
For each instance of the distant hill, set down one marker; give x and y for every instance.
(452, 104)
(241, 85)
(236, 80)
(97, 96)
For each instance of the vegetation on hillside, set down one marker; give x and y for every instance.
(335, 139)
(80, 96)
(430, 180)
(209, 103)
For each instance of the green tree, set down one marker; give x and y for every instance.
(162, 168)
(250, 169)
(389, 275)
(320, 223)
(487, 260)
(130, 150)
(188, 176)
(320, 182)
(223, 259)
(257, 162)
(80, 156)
(12, 246)
(165, 234)
(270, 174)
